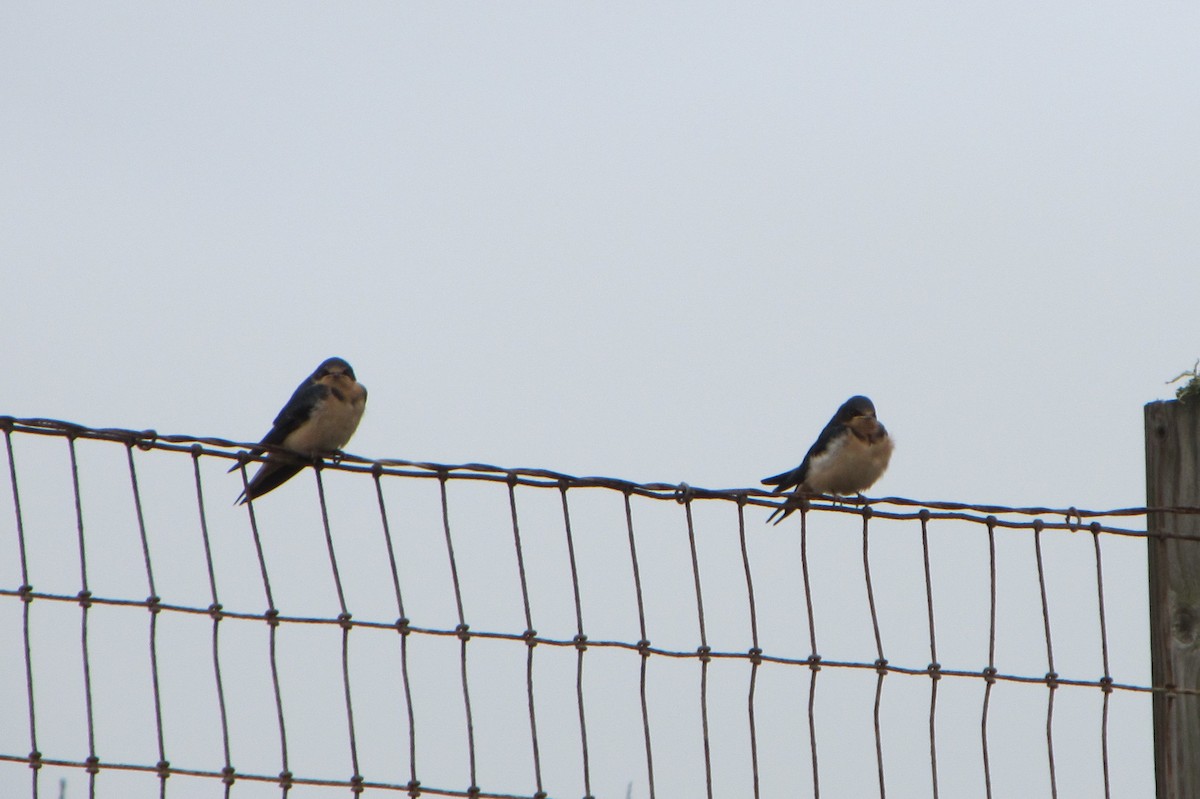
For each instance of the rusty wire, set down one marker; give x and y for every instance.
(1051, 675)
(279, 619)
(934, 667)
(643, 644)
(215, 611)
(580, 642)
(813, 660)
(989, 672)
(34, 758)
(994, 518)
(249, 452)
(755, 650)
(530, 634)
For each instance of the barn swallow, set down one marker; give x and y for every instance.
(851, 453)
(319, 419)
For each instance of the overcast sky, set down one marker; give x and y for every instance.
(655, 243)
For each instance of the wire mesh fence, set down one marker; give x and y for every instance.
(397, 628)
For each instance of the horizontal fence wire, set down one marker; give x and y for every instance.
(545, 683)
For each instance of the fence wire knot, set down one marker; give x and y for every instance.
(216, 611)
(286, 778)
(92, 765)
(989, 675)
(756, 656)
(705, 653)
(814, 662)
(154, 604)
(463, 631)
(530, 637)
(228, 775)
(35, 760)
(581, 642)
(935, 670)
(1051, 680)
(272, 617)
(643, 647)
(85, 599)
(684, 493)
(145, 440)
(881, 666)
(344, 621)
(1073, 519)
(402, 625)
(163, 769)
(25, 592)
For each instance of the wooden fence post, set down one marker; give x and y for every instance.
(1173, 480)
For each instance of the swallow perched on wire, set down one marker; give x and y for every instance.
(851, 453)
(319, 419)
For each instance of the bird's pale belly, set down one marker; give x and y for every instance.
(850, 468)
(330, 427)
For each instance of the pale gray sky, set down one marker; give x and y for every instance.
(655, 243)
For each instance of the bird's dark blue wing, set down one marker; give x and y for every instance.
(788, 479)
(271, 475)
(831, 432)
(278, 469)
(296, 412)
(795, 477)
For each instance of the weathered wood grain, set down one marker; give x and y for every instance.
(1173, 480)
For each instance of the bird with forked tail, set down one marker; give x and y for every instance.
(319, 419)
(849, 455)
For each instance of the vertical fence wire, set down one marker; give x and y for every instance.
(1051, 675)
(272, 618)
(26, 592)
(464, 635)
(152, 603)
(580, 642)
(989, 673)
(814, 659)
(755, 650)
(643, 642)
(402, 627)
(880, 661)
(934, 666)
(344, 618)
(333, 564)
(215, 612)
(1106, 681)
(530, 636)
(85, 604)
(704, 650)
